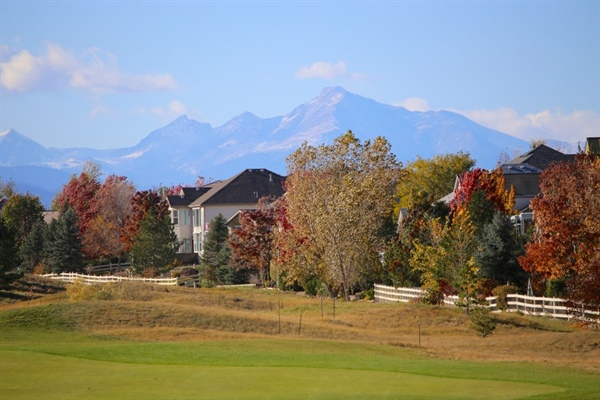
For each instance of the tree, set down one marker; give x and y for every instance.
(21, 212)
(79, 194)
(497, 253)
(62, 244)
(8, 256)
(103, 238)
(338, 198)
(31, 251)
(491, 183)
(213, 256)
(431, 178)
(141, 203)
(251, 244)
(155, 245)
(566, 239)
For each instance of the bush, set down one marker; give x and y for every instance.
(500, 292)
(482, 321)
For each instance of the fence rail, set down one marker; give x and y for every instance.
(72, 277)
(540, 306)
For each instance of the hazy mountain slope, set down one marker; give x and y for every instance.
(185, 149)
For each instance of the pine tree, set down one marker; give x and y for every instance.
(63, 244)
(155, 244)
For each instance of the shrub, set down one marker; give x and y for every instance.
(500, 292)
(482, 321)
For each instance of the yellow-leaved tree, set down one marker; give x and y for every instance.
(338, 198)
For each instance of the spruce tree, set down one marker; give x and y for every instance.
(8, 256)
(214, 257)
(155, 244)
(32, 248)
(63, 244)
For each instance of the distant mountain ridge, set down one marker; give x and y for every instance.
(185, 149)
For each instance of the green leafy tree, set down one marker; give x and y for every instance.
(21, 212)
(62, 243)
(339, 197)
(482, 321)
(32, 249)
(431, 178)
(214, 258)
(155, 245)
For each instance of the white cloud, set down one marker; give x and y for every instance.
(547, 124)
(93, 71)
(414, 104)
(322, 70)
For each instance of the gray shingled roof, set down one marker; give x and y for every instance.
(541, 157)
(246, 187)
(189, 195)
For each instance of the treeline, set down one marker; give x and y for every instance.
(352, 215)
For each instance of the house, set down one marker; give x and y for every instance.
(194, 208)
(523, 174)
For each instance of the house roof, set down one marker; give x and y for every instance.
(592, 145)
(246, 187)
(541, 157)
(525, 184)
(186, 196)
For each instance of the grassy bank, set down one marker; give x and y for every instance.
(249, 343)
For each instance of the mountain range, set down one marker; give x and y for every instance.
(185, 149)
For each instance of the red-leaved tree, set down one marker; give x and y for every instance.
(566, 240)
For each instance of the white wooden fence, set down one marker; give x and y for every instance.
(540, 306)
(72, 277)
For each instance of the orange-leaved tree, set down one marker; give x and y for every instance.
(566, 240)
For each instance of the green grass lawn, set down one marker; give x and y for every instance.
(67, 364)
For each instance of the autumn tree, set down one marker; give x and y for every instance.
(155, 245)
(566, 239)
(431, 179)
(141, 203)
(79, 194)
(113, 199)
(338, 198)
(251, 244)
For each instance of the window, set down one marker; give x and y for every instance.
(175, 217)
(196, 217)
(186, 216)
(186, 246)
(197, 242)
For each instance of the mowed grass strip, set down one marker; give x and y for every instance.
(58, 377)
(69, 365)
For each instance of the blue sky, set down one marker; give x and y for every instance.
(104, 74)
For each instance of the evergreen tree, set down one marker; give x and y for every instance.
(8, 256)
(32, 248)
(155, 244)
(63, 244)
(498, 252)
(214, 257)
